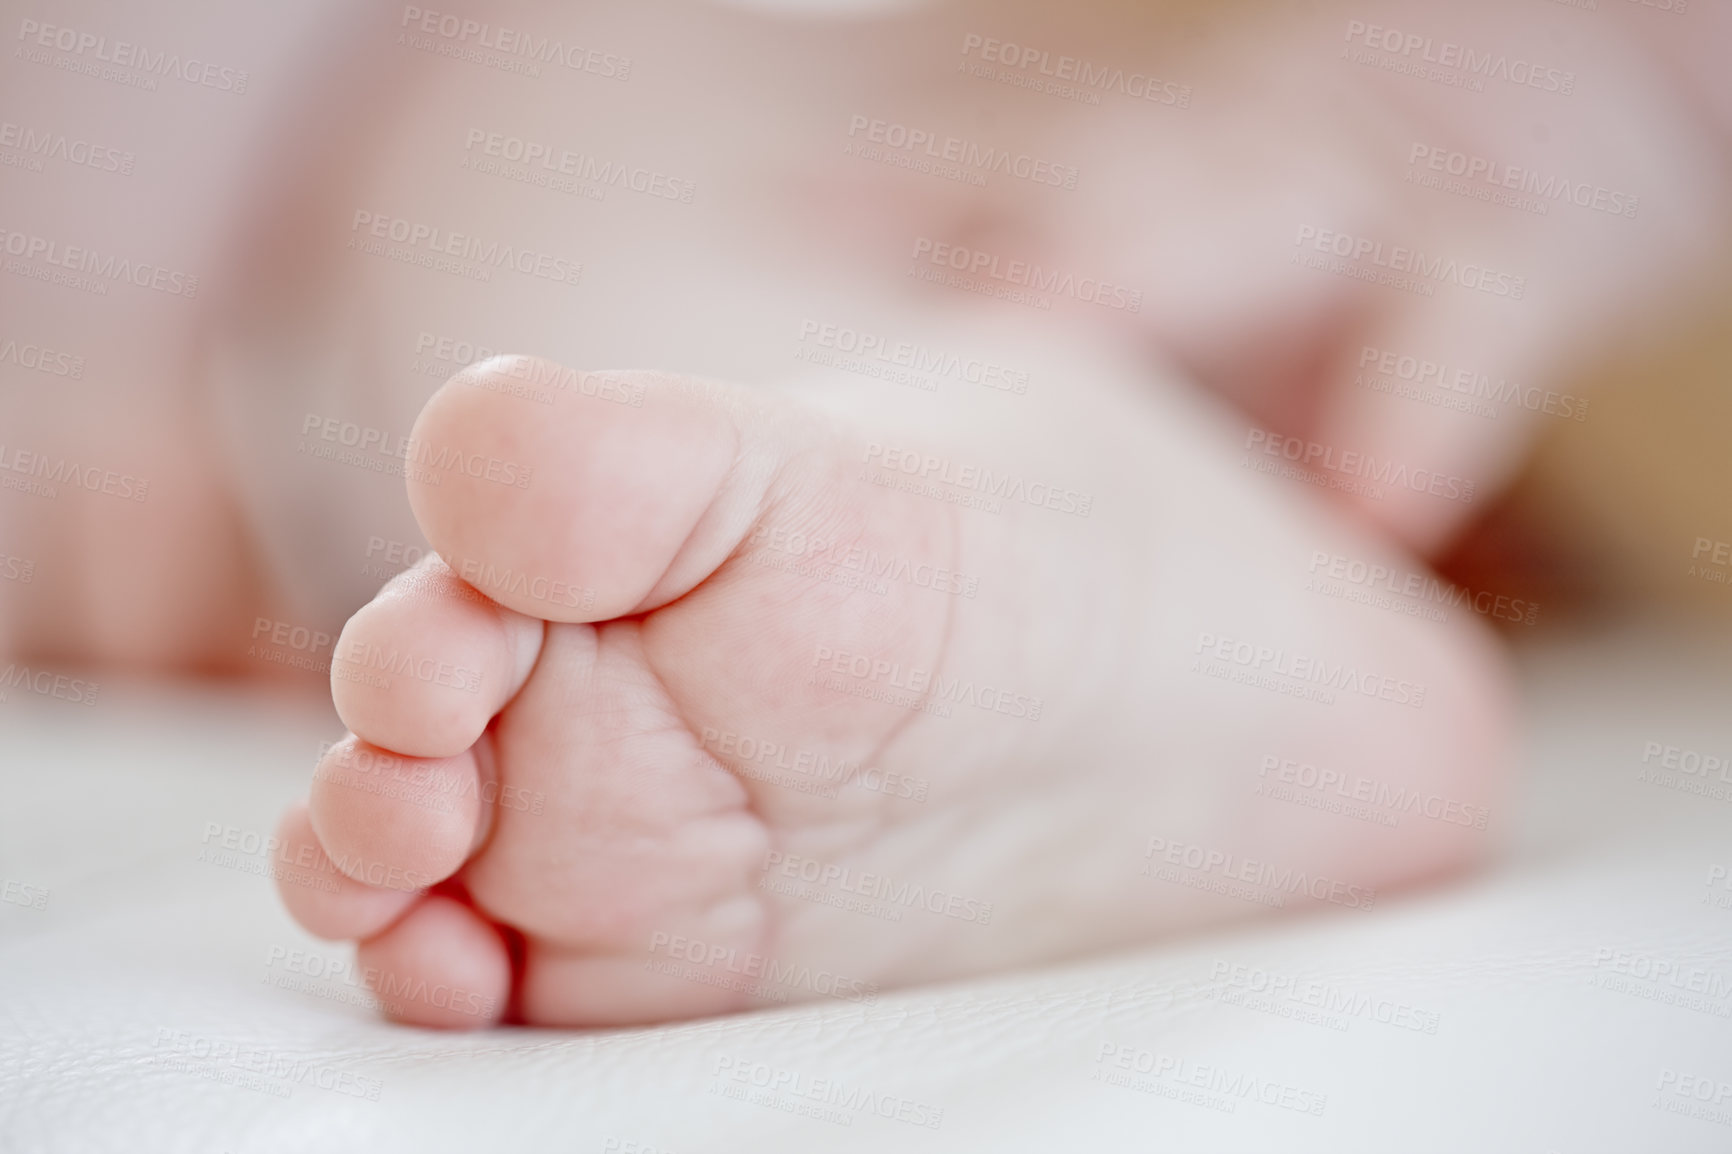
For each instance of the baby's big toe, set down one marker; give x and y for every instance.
(574, 511)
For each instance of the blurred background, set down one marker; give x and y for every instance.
(1604, 521)
(235, 143)
(242, 170)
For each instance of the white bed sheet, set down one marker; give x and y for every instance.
(140, 1008)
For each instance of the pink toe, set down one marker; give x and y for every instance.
(424, 666)
(321, 897)
(441, 966)
(400, 823)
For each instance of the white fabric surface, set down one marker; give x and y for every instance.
(143, 956)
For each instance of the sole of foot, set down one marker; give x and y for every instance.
(713, 700)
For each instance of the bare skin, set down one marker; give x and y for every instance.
(672, 644)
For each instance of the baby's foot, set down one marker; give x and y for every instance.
(735, 704)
